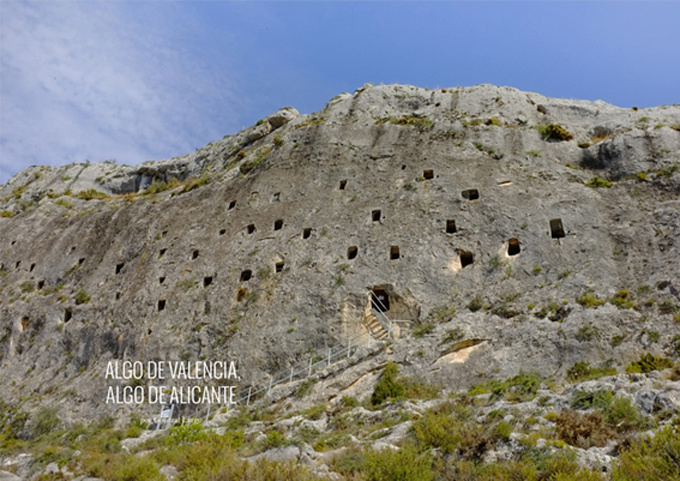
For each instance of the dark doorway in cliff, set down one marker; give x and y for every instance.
(80, 262)
(513, 247)
(466, 258)
(161, 280)
(470, 194)
(251, 228)
(161, 253)
(24, 323)
(68, 314)
(450, 226)
(194, 255)
(276, 197)
(278, 224)
(556, 229)
(33, 267)
(232, 204)
(352, 252)
(119, 267)
(279, 266)
(380, 301)
(161, 305)
(241, 294)
(207, 281)
(394, 253)
(375, 215)
(16, 266)
(41, 284)
(223, 231)
(428, 174)
(246, 275)
(343, 184)
(118, 294)
(306, 233)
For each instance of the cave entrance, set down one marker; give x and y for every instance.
(251, 228)
(278, 224)
(68, 314)
(556, 229)
(466, 258)
(394, 253)
(352, 252)
(380, 301)
(279, 266)
(246, 275)
(343, 184)
(161, 305)
(194, 255)
(470, 194)
(119, 267)
(375, 215)
(428, 174)
(306, 233)
(513, 247)
(207, 281)
(450, 226)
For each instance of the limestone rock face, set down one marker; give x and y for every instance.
(263, 247)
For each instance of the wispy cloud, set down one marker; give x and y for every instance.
(100, 80)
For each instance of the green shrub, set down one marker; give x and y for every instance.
(650, 458)
(582, 371)
(648, 363)
(91, 194)
(189, 432)
(134, 468)
(624, 415)
(156, 187)
(349, 401)
(453, 335)
(82, 297)
(587, 333)
(442, 313)
(27, 287)
(588, 299)
(421, 330)
(554, 132)
(623, 299)
(520, 388)
(387, 387)
(5, 213)
(407, 120)
(596, 182)
(46, 421)
(591, 399)
(304, 388)
(668, 171)
(405, 464)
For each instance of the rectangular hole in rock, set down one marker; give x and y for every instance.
(16, 266)
(33, 267)
(207, 281)
(343, 184)
(161, 280)
(24, 323)
(232, 204)
(246, 275)
(470, 194)
(118, 294)
(241, 294)
(14, 242)
(375, 215)
(276, 197)
(80, 261)
(279, 266)
(278, 224)
(68, 314)
(119, 267)
(194, 255)
(513, 247)
(380, 301)
(251, 228)
(41, 284)
(428, 174)
(161, 253)
(352, 252)
(450, 226)
(556, 229)
(394, 252)
(306, 233)
(161, 305)
(223, 231)
(466, 258)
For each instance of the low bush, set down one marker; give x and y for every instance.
(387, 386)
(554, 132)
(582, 430)
(648, 363)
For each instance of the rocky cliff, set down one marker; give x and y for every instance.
(507, 230)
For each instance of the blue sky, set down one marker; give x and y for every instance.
(148, 80)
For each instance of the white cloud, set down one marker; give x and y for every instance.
(99, 80)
